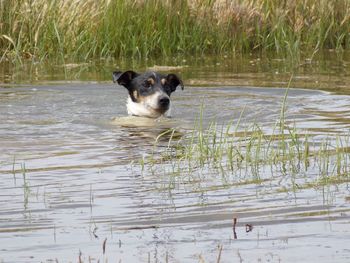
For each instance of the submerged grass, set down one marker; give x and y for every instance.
(253, 154)
(81, 30)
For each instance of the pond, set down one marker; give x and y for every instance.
(81, 182)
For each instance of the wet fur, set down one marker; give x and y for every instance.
(149, 92)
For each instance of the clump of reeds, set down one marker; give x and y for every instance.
(252, 155)
(85, 29)
(227, 149)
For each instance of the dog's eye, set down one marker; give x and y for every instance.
(147, 84)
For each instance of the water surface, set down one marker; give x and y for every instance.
(71, 176)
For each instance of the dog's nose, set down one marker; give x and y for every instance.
(164, 102)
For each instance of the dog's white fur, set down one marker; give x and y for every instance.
(146, 108)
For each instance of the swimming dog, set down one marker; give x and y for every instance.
(149, 92)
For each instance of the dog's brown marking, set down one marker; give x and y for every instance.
(136, 95)
(163, 81)
(139, 98)
(150, 81)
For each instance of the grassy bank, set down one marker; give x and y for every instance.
(88, 29)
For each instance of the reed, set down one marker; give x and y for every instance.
(251, 156)
(238, 153)
(88, 29)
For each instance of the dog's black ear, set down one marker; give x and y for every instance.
(124, 78)
(174, 81)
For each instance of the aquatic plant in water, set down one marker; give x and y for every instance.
(236, 154)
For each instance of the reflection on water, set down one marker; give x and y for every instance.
(324, 71)
(71, 177)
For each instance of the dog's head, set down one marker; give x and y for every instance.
(149, 93)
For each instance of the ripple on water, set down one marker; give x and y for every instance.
(70, 177)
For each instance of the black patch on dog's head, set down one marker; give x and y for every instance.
(148, 83)
(124, 78)
(173, 81)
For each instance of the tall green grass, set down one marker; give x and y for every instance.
(86, 29)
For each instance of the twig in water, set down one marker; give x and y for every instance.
(234, 228)
(219, 256)
(80, 261)
(104, 246)
(94, 232)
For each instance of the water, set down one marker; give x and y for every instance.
(71, 177)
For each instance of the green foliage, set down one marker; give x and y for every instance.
(252, 155)
(88, 29)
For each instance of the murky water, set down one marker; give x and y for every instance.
(72, 189)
